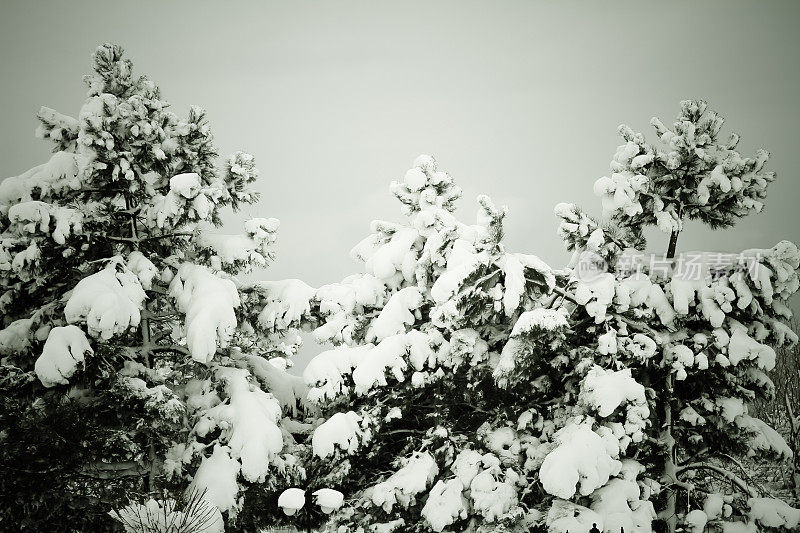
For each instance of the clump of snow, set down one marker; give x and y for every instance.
(216, 475)
(388, 354)
(763, 438)
(326, 372)
(606, 390)
(492, 498)
(285, 303)
(144, 269)
(64, 349)
(249, 423)
(110, 301)
(254, 248)
(582, 457)
(403, 485)
(771, 512)
(341, 430)
(15, 338)
(540, 318)
(328, 499)
(187, 184)
(395, 315)
(292, 500)
(619, 504)
(565, 517)
(596, 294)
(445, 504)
(696, 521)
(743, 347)
(208, 301)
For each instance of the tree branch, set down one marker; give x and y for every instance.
(730, 476)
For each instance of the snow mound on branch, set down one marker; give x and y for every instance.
(462, 261)
(208, 301)
(743, 347)
(187, 184)
(63, 351)
(328, 499)
(763, 438)
(109, 301)
(581, 456)
(606, 390)
(341, 430)
(326, 372)
(384, 260)
(492, 498)
(536, 319)
(249, 422)
(254, 248)
(292, 500)
(286, 302)
(62, 171)
(565, 516)
(15, 338)
(771, 512)
(445, 504)
(401, 487)
(540, 318)
(285, 387)
(144, 269)
(619, 505)
(395, 315)
(216, 475)
(388, 354)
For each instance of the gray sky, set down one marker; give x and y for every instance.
(518, 100)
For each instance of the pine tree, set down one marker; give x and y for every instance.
(479, 390)
(666, 355)
(133, 360)
(414, 431)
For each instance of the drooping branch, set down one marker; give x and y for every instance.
(730, 476)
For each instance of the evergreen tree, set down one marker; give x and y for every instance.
(133, 360)
(477, 390)
(414, 434)
(693, 335)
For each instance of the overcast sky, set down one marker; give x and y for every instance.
(518, 100)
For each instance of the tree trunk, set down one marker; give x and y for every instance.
(669, 514)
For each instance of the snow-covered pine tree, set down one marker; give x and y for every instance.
(414, 432)
(133, 361)
(662, 359)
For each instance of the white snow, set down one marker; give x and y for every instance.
(328, 499)
(326, 372)
(249, 423)
(341, 430)
(540, 318)
(606, 390)
(417, 472)
(445, 504)
(292, 500)
(371, 370)
(771, 512)
(64, 349)
(285, 303)
(581, 457)
(187, 184)
(208, 301)
(216, 475)
(110, 301)
(743, 347)
(396, 314)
